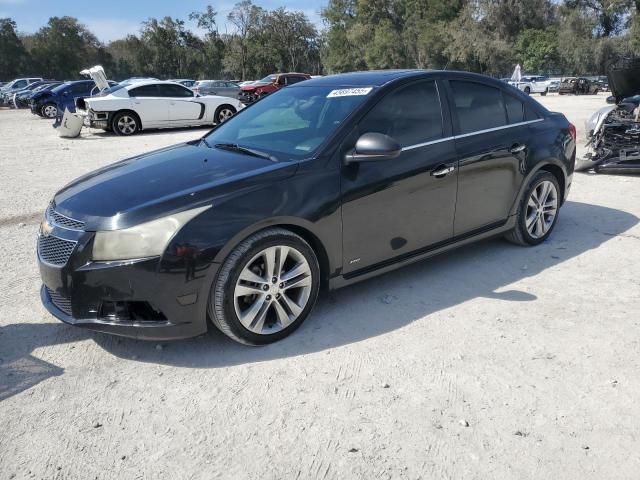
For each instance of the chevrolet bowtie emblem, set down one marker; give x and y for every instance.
(45, 228)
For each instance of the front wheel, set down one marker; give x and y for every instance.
(527, 90)
(49, 110)
(266, 287)
(538, 211)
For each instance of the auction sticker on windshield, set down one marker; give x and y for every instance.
(349, 92)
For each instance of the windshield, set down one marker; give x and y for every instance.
(267, 79)
(292, 123)
(60, 88)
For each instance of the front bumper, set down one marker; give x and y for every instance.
(144, 299)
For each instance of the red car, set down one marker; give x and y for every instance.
(269, 84)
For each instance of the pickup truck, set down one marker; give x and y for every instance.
(532, 84)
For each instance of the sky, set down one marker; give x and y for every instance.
(113, 19)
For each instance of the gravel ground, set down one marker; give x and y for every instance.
(491, 362)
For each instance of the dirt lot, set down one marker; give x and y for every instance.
(491, 362)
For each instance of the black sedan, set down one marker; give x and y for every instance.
(322, 184)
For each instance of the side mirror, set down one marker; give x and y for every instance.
(372, 147)
(611, 99)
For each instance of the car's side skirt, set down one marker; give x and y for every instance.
(488, 231)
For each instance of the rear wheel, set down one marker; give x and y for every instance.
(527, 90)
(544, 94)
(266, 287)
(49, 110)
(125, 123)
(538, 211)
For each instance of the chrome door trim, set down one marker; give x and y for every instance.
(464, 135)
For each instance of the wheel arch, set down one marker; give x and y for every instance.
(552, 166)
(299, 226)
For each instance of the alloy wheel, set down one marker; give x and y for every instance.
(273, 289)
(542, 208)
(127, 125)
(225, 114)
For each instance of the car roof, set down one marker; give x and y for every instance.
(151, 82)
(378, 78)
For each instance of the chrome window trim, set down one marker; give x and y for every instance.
(424, 144)
(479, 132)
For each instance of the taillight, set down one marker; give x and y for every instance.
(572, 131)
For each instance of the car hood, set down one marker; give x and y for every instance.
(39, 95)
(625, 82)
(250, 88)
(162, 182)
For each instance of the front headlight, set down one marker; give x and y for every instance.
(145, 240)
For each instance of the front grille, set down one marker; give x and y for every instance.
(54, 250)
(59, 301)
(64, 222)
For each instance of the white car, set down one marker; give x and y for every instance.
(532, 84)
(127, 109)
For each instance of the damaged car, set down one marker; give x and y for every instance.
(578, 86)
(128, 109)
(613, 132)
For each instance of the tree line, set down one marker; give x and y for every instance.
(488, 36)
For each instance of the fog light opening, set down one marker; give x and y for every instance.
(130, 312)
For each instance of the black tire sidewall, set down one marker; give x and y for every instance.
(114, 124)
(522, 217)
(48, 105)
(219, 111)
(228, 300)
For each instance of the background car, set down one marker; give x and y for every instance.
(52, 103)
(183, 81)
(532, 84)
(132, 80)
(578, 86)
(7, 91)
(223, 88)
(269, 84)
(21, 98)
(128, 109)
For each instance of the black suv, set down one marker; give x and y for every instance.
(319, 185)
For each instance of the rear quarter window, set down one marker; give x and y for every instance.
(515, 109)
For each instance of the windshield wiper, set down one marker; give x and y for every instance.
(249, 151)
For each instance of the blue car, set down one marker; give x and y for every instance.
(52, 104)
(21, 99)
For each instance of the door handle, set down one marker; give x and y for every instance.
(517, 148)
(442, 170)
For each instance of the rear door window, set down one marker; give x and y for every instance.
(410, 114)
(169, 90)
(144, 91)
(477, 106)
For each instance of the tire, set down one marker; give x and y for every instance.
(544, 94)
(539, 230)
(224, 113)
(527, 90)
(49, 110)
(269, 309)
(125, 123)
